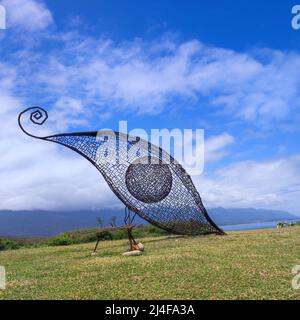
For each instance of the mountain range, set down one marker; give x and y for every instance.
(48, 223)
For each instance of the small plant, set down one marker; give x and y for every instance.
(60, 241)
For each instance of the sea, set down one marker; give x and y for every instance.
(255, 226)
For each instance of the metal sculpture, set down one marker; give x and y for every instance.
(143, 176)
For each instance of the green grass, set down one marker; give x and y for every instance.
(90, 235)
(79, 236)
(241, 265)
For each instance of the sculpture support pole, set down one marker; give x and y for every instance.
(95, 250)
(132, 241)
(128, 221)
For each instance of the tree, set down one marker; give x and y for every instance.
(100, 221)
(113, 221)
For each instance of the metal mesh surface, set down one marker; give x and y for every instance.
(144, 177)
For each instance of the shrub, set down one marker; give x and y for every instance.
(9, 245)
(60, 241)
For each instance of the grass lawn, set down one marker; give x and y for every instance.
(241, 265)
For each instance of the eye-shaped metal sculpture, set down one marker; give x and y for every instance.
(144, 177)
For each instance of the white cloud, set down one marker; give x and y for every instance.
(36, 174)
(271, 184)
(215, 147)
(44, 178)
(85, 75)
(196, 154)
(68, 111)
(260, 88)
(29, 15)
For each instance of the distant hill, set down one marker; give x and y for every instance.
(49, 223)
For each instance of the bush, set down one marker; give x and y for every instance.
(148, 231)
(9, 245)
(286, 224)
(60, 241)
(104, 236)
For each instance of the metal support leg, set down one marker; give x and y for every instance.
(131, 240)
(95, 250)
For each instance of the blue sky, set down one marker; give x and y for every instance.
(238, 25)
(229, 67)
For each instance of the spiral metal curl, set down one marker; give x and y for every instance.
(39, 116)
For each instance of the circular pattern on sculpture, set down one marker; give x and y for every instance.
(148, 182)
